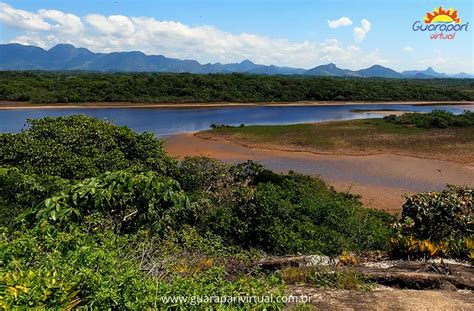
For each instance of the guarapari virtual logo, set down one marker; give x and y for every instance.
(441, 24)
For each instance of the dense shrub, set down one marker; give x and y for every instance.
(77, 147)
(21, 192)
(204, 174)
(251, 207)
(437, 224)
(294, 213)
(440, 215)
(47, 268)
(434, 119)
(125, 200)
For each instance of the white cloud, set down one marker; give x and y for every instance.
(360, 32)
(67, 23)
(31, 38)
(21, 19)
(117, 25)
(408, 49)
(343, 21)
(43, 20)
(101, 33)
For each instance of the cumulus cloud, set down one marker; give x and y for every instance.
(360, 32)
(204, 43)
(22, 19)
(408, 49)
(117, 25)
(61, 22)
(343, 21)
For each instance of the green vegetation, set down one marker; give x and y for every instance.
(396, 135)
(44, 267)
(131, 228)
(434, 119)
(130, 225)
(78, 147)
(47, 87)
(437, 224)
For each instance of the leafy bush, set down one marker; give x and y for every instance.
(436, 224)
(282, 214)
(204, 174)
(127, 201)
(440, 215)
(49, 268)
(20, 192)
(434, 119)
(78, 147)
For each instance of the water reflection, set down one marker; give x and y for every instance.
(165, 122)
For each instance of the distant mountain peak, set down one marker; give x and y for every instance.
(65, 56)
(246, 62)
(377, 66)
(425, 74)
(63, 46)
(379, 71)
(430, 70)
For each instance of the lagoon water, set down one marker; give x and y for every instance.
(164, 121)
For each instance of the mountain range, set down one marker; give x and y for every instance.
(67, 57)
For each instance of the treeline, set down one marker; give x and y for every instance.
(434, 119)
(47, 87)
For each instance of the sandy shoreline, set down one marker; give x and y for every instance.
(8, 105)
(381, 179)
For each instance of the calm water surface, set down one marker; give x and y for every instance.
(166, 122)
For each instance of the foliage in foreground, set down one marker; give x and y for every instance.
(21, 192)
(252, 207)
(44, 267)
(126, 201)
(437, 224)
(127, 232)
(78, 147)
(434, 119)
(244, 204)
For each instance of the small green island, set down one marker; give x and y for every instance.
(436, 135)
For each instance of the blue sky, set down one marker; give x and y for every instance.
(292, 33)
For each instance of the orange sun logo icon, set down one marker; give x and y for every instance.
(442, 16)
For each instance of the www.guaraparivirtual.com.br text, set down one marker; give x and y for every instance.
(264, 299)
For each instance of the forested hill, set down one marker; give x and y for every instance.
(55, 87)
(66, 57)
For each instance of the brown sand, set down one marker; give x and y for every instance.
(9, 105)
(381, 180)
(384, 298)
